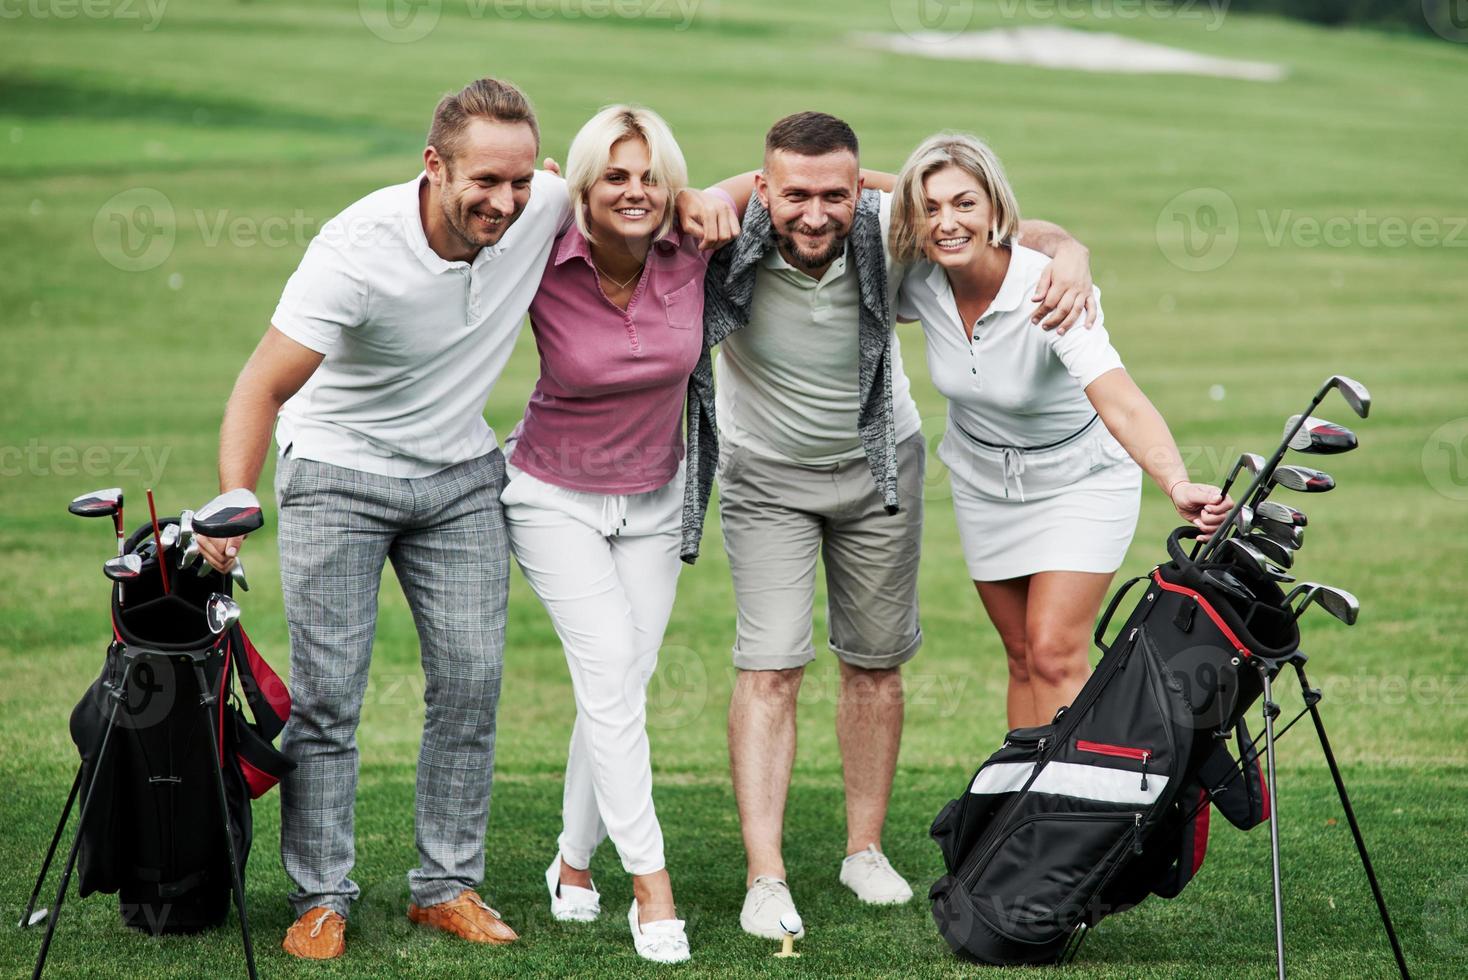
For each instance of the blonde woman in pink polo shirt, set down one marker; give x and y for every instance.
(594, 503)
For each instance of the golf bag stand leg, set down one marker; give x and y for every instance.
(25, 917)
(207, 700)
(1312, 700)
(1271, 710)
(117, 694)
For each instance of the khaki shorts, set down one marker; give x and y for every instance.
(778, 516)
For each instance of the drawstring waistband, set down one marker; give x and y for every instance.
(613, 515)
(1014, 456)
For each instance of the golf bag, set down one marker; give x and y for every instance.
(1072, 821)
(154, 833)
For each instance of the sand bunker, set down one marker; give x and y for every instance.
(1071, 50)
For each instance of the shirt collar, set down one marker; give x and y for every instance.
(417, 238)
(574, 245)
(1011, 290)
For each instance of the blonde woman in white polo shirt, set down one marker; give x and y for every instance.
(1047, 435)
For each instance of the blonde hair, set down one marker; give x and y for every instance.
(590, 151)
(910, 202)
(487, 98)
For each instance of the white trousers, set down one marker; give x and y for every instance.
(606, 568)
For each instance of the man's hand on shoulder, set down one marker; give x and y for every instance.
(709, 216)
(1065, 290)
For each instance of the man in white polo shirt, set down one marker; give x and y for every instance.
(379, 359)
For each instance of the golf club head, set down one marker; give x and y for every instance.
(237, 573)
(1302, 479)
(1229, 583)
(1241, 552)
(221, 612)
(189, 553)
(1278, 574)
(1353, 391)
(232, 513)
(98, 503)
(1289, 535)
(1338, 602)
(1319, 436)
(37, 917)
(123, 568)
(1245, 520)
(1272, 550)
(169, 537)
(1273, 510)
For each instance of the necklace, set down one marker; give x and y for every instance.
(620, 285)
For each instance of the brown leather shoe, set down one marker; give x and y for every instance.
(319, 934)
(466, 917)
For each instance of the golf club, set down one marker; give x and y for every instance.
(1252, 462)
(1338, 602)
(158, 542)
(102, 503)
(1289, 535)
(237, 573)
(1229, 582)
(189, 553)
(170, 536)
(229, 515)
(1242, 552)
(1271, 549)
(1356, 396)
(1319, 436)
(221, 612)
(1273, 510)
(123, 568)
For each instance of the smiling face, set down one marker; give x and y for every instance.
(486, 185)
(626, 203)
(812, 202)
(960, 217)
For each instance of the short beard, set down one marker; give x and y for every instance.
(807, 261)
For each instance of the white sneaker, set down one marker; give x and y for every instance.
(869, 874)
(570, 903)
(663, 941)
(766, 903)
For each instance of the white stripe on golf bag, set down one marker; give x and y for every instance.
(1071, 779)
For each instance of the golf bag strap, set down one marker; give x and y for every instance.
(1237, 787)
(1111, 610)
(270, 702)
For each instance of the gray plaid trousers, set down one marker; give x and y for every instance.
(445, 535)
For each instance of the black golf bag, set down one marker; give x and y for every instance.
(153, 831)
(1087, 816)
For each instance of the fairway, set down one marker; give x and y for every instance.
(162, 177)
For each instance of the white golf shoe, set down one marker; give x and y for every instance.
(766, 904)
(869, 874)
(568, 902)
(663, 941)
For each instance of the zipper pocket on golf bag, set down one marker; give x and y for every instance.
(963, 821)
(1048, 867)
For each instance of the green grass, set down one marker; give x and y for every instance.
(272, 116)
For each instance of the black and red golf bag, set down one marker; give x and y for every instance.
(178, 701)
(1087, 816)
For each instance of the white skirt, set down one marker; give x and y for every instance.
(1086, 527)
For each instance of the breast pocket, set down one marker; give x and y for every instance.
(684, 305)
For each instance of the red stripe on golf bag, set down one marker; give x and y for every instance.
(1200, 832)
(270, 701)
(1207, 609)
